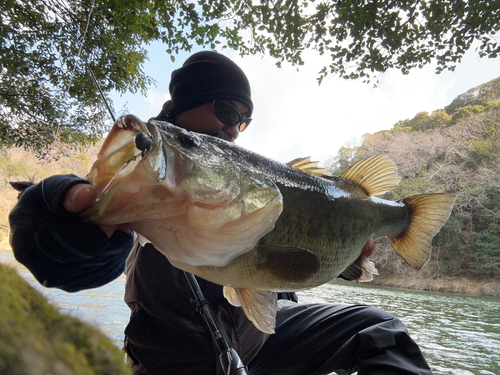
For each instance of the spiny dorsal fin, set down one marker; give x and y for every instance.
(306, 165)
(377, 174)
(428, 213)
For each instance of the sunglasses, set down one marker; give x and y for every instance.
(230, 116)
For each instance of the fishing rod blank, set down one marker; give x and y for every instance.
(100, 91)
(229, 359)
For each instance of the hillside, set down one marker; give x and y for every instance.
(456, 150)
(17, 164)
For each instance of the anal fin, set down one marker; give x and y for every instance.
(259, 306)
(231, 296)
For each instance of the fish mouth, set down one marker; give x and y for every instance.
(131, 156)
(120, 153)
(129, 143)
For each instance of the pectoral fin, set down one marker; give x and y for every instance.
(292, 264)
(362, 270)
(259, 306)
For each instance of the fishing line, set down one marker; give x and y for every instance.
(100, 91)
(82, 39)
(134, 158)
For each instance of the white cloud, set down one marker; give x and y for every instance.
(156, 100)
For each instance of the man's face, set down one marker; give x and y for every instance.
(202, 119)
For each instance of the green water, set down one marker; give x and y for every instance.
(458, 334)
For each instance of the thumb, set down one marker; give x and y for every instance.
(80, 197)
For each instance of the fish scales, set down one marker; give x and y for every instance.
(335, 230)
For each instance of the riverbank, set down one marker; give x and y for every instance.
(420, 280)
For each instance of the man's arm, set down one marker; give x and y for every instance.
(56, 246)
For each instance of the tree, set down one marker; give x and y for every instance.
(438, 119)
(423, 121)
(45, 87)
(419, 122)
(45, 46)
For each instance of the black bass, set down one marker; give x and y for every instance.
(252, 224)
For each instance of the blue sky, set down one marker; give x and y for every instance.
(294, 117)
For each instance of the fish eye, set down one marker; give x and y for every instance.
(188, 141)
(142, 141)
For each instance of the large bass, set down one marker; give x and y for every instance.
(252, 224)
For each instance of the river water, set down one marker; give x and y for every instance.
(458, 334)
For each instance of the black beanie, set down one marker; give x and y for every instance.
(204, 77)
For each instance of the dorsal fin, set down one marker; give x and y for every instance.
(377, 174)
(306, 165)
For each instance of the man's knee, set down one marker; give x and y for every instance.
(374, 316)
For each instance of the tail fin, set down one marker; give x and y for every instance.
(428, 213)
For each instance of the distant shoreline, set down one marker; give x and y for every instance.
(415, 280)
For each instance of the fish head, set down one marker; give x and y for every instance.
(192, 195)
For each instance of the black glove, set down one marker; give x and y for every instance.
(57, 247)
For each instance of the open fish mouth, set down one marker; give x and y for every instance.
(129, 164)
(120, 153)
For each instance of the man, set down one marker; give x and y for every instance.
(209, 94)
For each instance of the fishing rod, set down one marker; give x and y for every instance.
(228, 357)
(100, 91)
